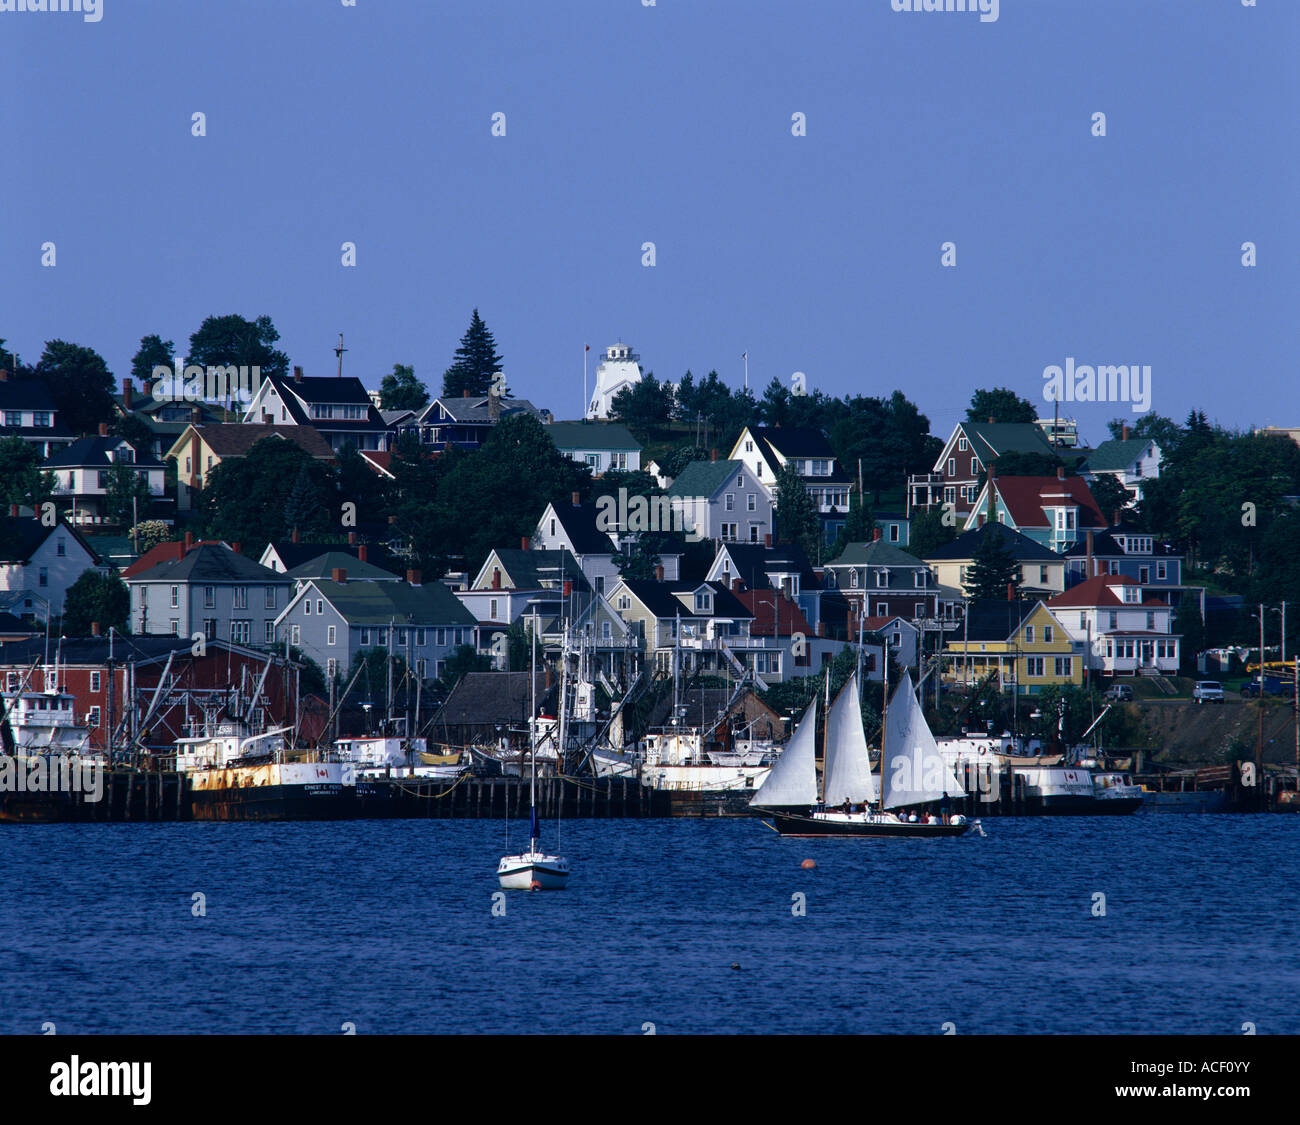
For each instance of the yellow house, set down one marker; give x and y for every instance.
(201, 449)
(1019, 640)
(1041, 570)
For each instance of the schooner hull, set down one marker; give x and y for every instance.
(793, 824)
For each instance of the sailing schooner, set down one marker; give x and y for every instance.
(913, 773)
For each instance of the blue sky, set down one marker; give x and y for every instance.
(671, 124)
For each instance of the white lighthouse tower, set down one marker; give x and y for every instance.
(621, 368)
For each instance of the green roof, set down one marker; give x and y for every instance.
(704, 478)
(591, 435)
(378, 603)
(875, 553)
(1116, 454)
(992, 439)
(322, 566)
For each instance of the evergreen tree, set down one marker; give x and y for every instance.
(796, 519)
(644, 405)
(859, 527)
(993, 567)
(475, 362)
(928, 530)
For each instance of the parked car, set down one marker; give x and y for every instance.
(1207, 691)
(1272, 685)
(1118, 693)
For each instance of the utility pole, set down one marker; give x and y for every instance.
(338, 351)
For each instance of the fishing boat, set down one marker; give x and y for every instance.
(912, 774)
(236, 773)
(533, 870)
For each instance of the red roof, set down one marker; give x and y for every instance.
(771, 607)
(876, 624)
(1027, 497)
(163, 553)
(1099, 591)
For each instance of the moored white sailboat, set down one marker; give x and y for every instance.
(533, 870)
(912, 774)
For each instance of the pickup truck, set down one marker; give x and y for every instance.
(1272, 686)
(1207, 691)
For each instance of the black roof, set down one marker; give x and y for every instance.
(492, 697)
(992, 619)
(94, 451)
(1020, 546)
(21, 536)
(211, 562)
(26, 394)
(579, 523)
(754, 562)
(94, 650)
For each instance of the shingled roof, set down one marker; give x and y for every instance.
(968, 543)
(213, 563)
(235, 439)
(378, 603)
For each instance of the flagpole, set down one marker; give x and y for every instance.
(745, 357)
(585, 349)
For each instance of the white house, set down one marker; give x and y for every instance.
(723, 500)
(601, 446)
(38, 562)
(1123, 631)
(83, 472)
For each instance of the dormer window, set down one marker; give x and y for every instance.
(703, 602)
(882, 578)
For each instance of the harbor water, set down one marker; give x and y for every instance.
(675, 926)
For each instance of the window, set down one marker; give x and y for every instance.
(209, 597)
(241, 632)
(331, 667)
(882, 609)
(606, 630)
(306, 606)
(703, 602)
(893, 532)
(270, 597)
(270, 632)
(43, 578)
(330, 635)
(381, 637)
(1042, 576)
(419, 638)
(1144, 574)
(853, 579)
(751, 502)
(755, 532)
(41, 418)
(61, 548)
(1162, 571)
(961, 445)
(1029, 634)
(1064, 666)
(93, 717)
(399, 637)
(176, 627)
(950, 495)
(210, 628)
(176, 596)
(729, 501)
(882, 578)
(13, 418)
(294, 634)
(952, 466)
(740, 480)
(918, 579)
(730, 531)
(1048, 634)
(1034, 666)
(241, 597)
(94, 681)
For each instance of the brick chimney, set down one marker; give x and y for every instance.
(340, 575)
(1115, 515)
(13, 511)
(991, 421)
(128, 390)
(496, 578)
(4, 376)
(1087, 569)
(821, 628)
(523, 542)
(1125, 432)
(294, 536)
(713, 454)
(352, 538)
(577, 499)
(413, 577)
(659, 574)
(94, 628)
(464, 393)
(238, 548)
(297, 374)
(1011, 591)
(568, 588)
(196, 415)
(736, 585)
(362, 553)
(103, 429)
(875, 534)
(189, 542)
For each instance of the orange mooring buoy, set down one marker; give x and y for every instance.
(535, 886)
(808, 864)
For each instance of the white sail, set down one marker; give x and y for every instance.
(793, 780)
(913, 771)
(847, 773)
